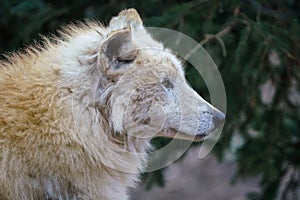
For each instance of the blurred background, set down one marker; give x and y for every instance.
(256, 46)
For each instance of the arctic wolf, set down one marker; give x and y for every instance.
(77, 112)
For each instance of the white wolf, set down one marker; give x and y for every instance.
(70, 107)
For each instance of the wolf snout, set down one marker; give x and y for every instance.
(218, 118)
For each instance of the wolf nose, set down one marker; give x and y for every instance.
(218, 118)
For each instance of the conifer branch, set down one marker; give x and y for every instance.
(209, 37)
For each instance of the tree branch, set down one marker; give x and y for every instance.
(209, 37)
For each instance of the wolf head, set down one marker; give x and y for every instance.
(148, 93)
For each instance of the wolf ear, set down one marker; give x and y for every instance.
(126, 19)
(117, 50)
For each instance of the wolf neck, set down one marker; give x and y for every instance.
(131, 144)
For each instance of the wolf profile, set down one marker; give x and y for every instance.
(74, 108)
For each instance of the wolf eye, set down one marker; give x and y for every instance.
(166, 82)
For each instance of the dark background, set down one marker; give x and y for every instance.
(255, 44)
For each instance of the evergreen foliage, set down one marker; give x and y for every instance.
(255, 44)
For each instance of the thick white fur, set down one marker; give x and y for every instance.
(68, 120)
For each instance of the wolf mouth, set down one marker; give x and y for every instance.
(175, 133)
